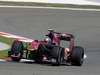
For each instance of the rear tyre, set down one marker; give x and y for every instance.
(77, 56)
(58, 54)
(16, 51)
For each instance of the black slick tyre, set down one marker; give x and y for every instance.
(77, 56)
(16, 51)
(58, 54)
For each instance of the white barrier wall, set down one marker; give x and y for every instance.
(94, 0)
(26, 0)
(79, 2)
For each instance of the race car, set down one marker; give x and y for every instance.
(58, 48)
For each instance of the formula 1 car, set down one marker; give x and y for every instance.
(58, 48)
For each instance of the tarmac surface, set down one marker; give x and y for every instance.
(33, 23)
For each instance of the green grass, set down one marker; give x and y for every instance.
(8, 41)
(3, 54)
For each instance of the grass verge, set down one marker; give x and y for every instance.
(49, 5)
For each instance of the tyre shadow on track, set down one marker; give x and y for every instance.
(45, 63)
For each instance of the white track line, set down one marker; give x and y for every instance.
(4, 46)
(65, 8)
(8, 35)
(2, 60)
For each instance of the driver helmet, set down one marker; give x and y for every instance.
(51, 30)
(48, 40)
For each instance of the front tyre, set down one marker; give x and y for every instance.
(16, 51)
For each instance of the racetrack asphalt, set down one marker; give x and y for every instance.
(33, 23)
